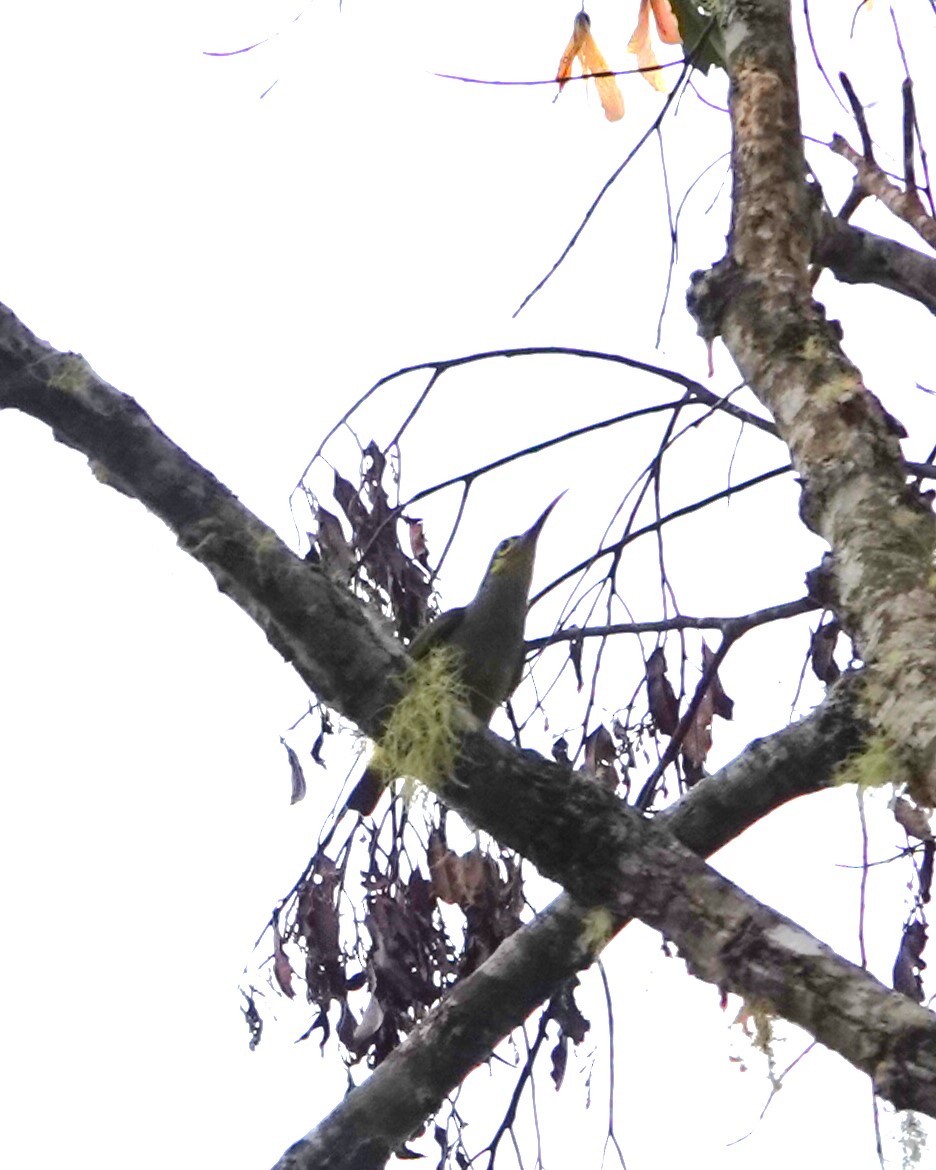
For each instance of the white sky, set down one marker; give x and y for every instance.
(245, 268)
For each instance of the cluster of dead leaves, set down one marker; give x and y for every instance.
(909, 966)
(374, 557)
(664, 711)
(405, 959)
(583, 47)
(601, 751)
(489, 895)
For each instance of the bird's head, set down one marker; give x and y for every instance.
(513, 558)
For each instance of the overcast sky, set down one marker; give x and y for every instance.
(245, 267)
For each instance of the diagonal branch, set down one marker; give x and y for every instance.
(528, 968)
(575, 832)
(319, 628)
(906, 205)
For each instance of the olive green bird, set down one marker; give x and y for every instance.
(487, 635)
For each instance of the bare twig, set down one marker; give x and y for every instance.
(906, 205)
(738, 625)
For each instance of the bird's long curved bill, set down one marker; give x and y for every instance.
(534, 530)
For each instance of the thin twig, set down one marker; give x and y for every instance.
(759, 617)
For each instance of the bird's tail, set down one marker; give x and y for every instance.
(367, 791)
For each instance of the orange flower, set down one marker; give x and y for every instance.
(667, 30)
(582, 45)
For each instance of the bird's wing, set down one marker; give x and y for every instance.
(518, 672)
(438, 631)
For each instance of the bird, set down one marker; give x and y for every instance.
(487, 637)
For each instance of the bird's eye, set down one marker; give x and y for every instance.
(504, 546)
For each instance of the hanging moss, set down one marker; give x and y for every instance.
(421, 737)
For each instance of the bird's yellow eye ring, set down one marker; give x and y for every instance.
(504, 546)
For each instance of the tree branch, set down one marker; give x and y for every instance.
(859, 257)
(330, 638)
(906, 205)
(528, 967)
(844, 445)
(461, 1032)
(573, 830)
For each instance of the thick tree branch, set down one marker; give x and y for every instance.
(574, 831)
(533, 963)
(608, 857)
(329, 637)
(859, 257)
(844, 445)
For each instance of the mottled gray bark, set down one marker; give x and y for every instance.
(856, 256)
(533, 963)
(844, 446)
(331, 639)
(604, 855)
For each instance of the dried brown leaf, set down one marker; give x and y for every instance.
(417, 537)
(282, 968)
(297, 777)
(334, 549)
(721, 704)
(926, 870)
(600, 757)
(560, 1058)
(661, 698)
(822, 652)
(575, 657)
(913, 820)
(909, 965)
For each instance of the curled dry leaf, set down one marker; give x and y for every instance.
(582, 45)
(822, 652)
(282, 968)
(721, 704)
(318, 929)
(572, 1026)
(334, 550)
(907, 970)
(490, 897)
(913, 820)
(385, 572)
(926, 870)
(297, 778)
(324, 729)
(368, 1028)
(560, 1058)
(698, 739)
(661, 698)
(575, 657)
(253, 1020)
(417, 538)
(600, 757)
